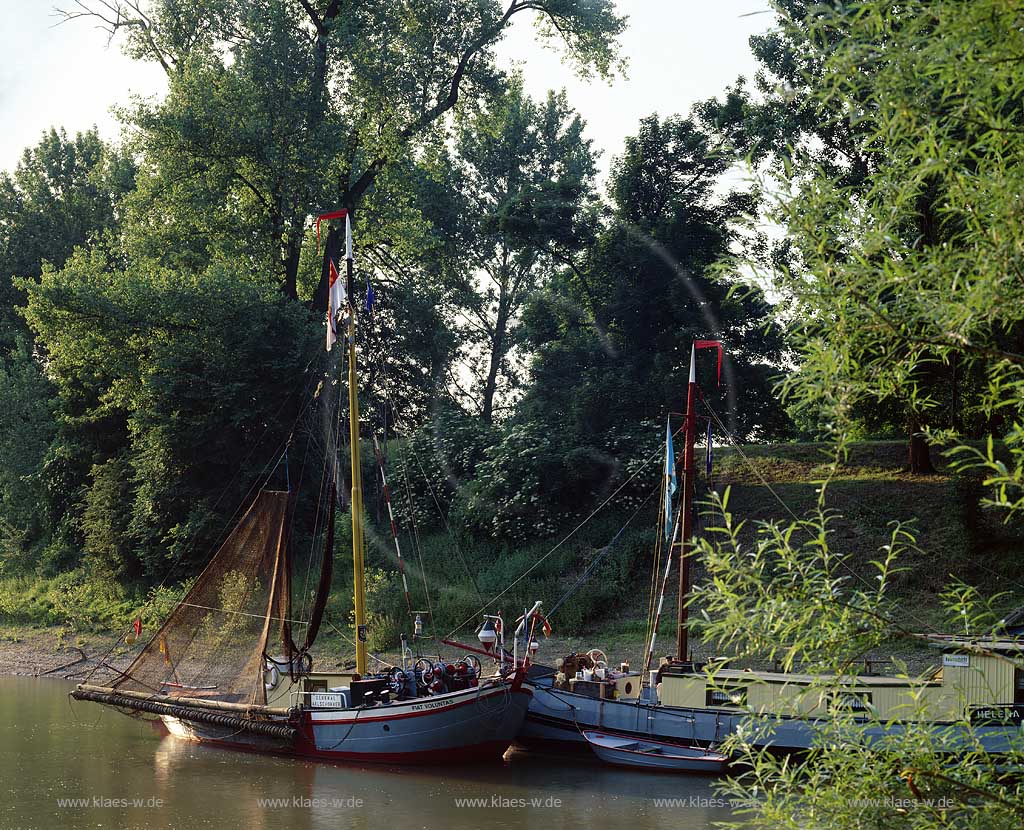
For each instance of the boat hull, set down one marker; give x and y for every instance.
(657, 756)
(459, 727)
(556, 719)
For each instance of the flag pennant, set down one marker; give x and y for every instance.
(165, 651)
(670, 478)
(371, 296)
(337, 300)
(325, 217)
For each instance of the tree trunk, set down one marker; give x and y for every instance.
(491, 384)
(293, 249)
(497, 355)
(920, 454)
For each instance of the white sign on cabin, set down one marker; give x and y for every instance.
(961, 661)
(326, 699)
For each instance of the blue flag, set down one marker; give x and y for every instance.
(370, 296)
(670, 478)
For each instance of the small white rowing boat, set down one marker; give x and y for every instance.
(627, 751)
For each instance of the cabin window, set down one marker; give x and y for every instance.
(1018, 686)
(724, 696)
(851, 701)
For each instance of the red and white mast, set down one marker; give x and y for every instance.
(686, 506)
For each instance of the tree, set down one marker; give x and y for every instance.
(516, 163)
(611, 335)
(622, 319)
(26, 430)
(174, 392)
(292, 106)
(63, 193)
(791, 133)
(940, 84)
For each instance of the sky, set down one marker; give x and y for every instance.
(679, 52)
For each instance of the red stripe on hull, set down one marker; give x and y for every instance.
(489, 751)
(422, 713)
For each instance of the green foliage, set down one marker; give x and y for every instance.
(386, 616)
(516, 180)
(900, 300)
(180, 377)
(791, 598)
(26, 429)
(74, 599)
(611, 352)
(904, 276)
(278, 110)
(106, 519)
(63, 193)
(432, 471)
(616, 349)
(810, 604)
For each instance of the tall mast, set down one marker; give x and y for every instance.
(690, 433)
(689, 482)
(358, 540)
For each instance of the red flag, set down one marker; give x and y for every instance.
(712, 344)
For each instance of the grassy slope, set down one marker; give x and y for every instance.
(871, 490)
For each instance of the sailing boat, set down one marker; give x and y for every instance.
(208, 675)
(980, 680)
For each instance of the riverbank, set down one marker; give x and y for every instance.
(52, 652)
(48, 622)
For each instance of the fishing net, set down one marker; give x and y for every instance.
(213, 643)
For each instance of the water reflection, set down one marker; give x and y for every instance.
(51, 751)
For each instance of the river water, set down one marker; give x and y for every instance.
(68, 764)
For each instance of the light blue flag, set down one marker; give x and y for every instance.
(670, 478)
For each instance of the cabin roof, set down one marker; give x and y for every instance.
(1003, 645)
(807, 679)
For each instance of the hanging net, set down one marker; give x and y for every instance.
(213, 643)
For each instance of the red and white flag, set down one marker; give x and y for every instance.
(336, 303)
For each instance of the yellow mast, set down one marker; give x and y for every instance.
(358, 540)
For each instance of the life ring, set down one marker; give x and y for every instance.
(598, 663)
(271, 675)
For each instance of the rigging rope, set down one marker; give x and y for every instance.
(596, 561)
(414, 535)
(447, 526)
(391, 516)
(571, 533)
